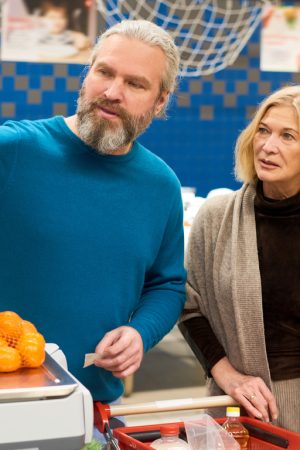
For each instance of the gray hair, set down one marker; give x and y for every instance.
(151, 34)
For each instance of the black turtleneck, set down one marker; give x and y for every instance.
(278, 241)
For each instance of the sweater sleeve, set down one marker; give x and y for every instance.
(203, 342)
(194, 322)
(163, 295)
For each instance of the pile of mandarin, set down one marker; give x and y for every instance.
(21, 345)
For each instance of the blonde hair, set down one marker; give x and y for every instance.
(150, 34)
(244, 160)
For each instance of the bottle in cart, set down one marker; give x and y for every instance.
(170, 439)
(233, 426)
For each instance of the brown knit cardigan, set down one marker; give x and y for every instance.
(224, 282)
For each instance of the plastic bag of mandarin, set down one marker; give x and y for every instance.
(21, 345)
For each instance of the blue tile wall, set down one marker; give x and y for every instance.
(205, 117)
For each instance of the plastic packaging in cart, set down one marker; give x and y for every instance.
(205, 434)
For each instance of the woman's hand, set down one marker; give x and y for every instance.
(250, 392)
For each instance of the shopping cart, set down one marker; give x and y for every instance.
(263, 436)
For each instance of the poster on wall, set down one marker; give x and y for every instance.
(280, 39)
(47, 30)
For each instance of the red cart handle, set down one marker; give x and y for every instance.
(101, 415)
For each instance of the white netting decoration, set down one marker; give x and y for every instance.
(209, 33)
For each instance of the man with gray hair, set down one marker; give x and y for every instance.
(91, 221)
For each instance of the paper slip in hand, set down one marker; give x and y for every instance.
(89, 359)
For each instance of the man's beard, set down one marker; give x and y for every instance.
(102, 134)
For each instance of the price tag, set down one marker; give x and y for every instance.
(89, 359)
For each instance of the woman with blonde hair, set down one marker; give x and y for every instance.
(242, 312)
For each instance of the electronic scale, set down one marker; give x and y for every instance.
(45, 408)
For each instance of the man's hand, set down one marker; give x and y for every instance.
(120, 351)
(250, 392)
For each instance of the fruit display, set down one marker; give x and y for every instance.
(21, 345)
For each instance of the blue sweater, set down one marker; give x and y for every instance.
(88, 242)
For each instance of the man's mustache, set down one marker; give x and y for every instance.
(112, 106)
